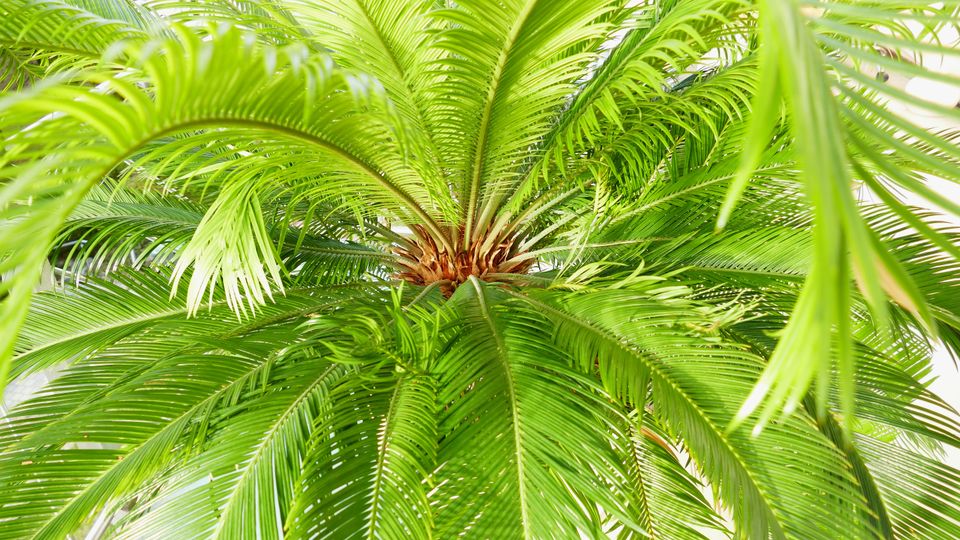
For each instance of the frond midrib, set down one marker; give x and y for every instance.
(513, 404)
(267, 441)
(380, 465)
(479, 154)
(49, 47)
(645, 515)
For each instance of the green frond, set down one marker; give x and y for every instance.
(665, 489)
(140, 417)
(663, 42)
(239, 482)
(77, 322)
(74, 323)
(696, 389)
(508, 386)
(175, 104)
(131, 12)
(920, 492)
(61, 27)
(270, 21)
(510, 67)
(110, 228)
(816, 91)
(391, 41)
(131, 379)
(248, 265)
(113, 228)
(366, 463)
(18, 68)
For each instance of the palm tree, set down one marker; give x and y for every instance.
(493, 269)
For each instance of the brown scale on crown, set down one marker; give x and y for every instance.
(425, 262)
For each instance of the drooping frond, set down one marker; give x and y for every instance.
(124, 372)
(507, 386)
(70, 325)
(143, 428)
(256, 452)
(824, 101)
(317, 120)
(696, 389)
(664, 489)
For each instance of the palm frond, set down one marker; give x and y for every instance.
(18, 68)
(795, 60)
(921, 493)
(506, 385)
(663, 486)
(696, 390)
(150, 433)
(174, 104)
(526, 55)
(366, 463)
(239, 482)
(72, 324)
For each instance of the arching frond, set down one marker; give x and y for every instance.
(664, 41)
(69, 325)
(173, 106)
(697, 391)
(144, 450)
(240, 483)
(663, 486)
(794, 60)
(499, 389)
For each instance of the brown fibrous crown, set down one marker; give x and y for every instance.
(425, 262)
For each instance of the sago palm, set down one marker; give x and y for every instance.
(481, 268)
